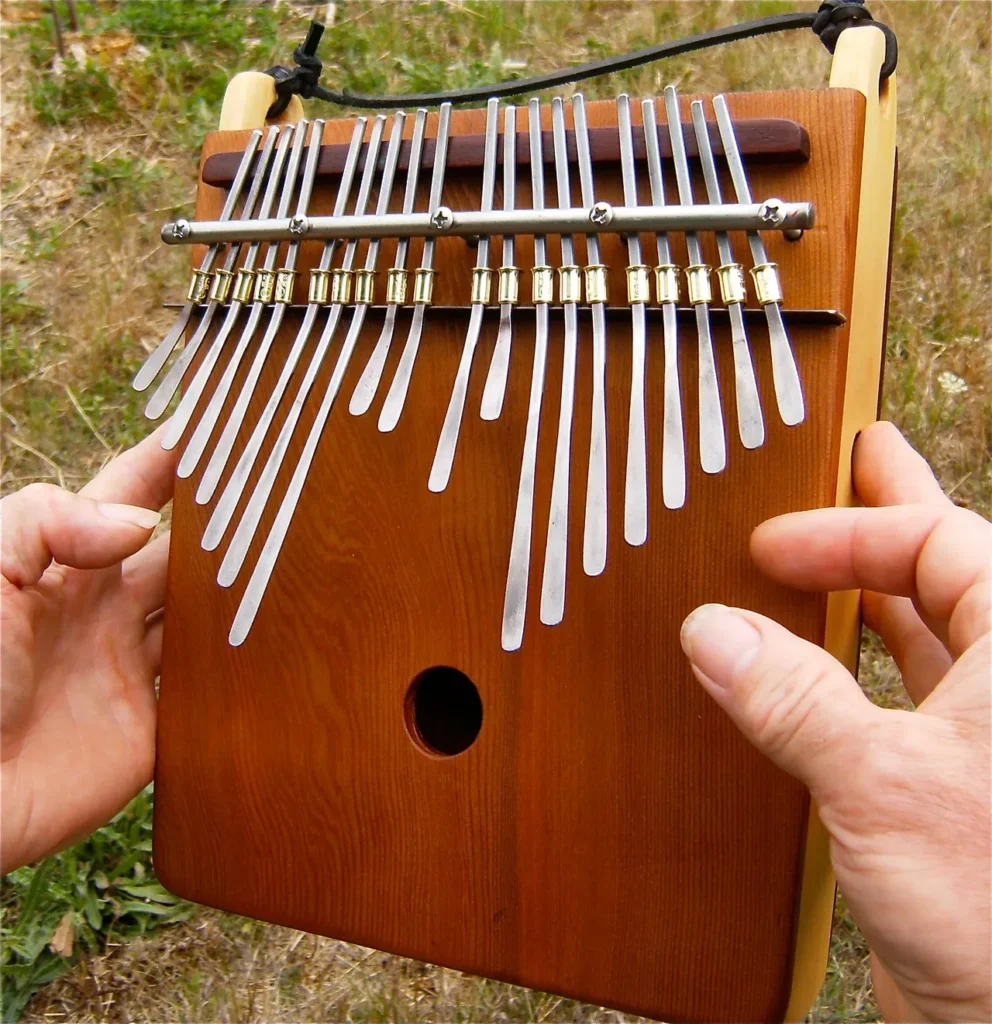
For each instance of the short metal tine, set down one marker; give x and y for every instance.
(785, 373)
(481, 287)
(667, 291)
(712, 439)
(635, 502)
(396, 285)
(595, 533)
(750, 424)
(423, 286)
(247, 527)
(258, 286)
(555, 555)
(200, 281)
(223, 284)
(518, 572)
(233, 490)
(204, 429)
(509, 277)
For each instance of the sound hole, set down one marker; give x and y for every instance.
(443, 711)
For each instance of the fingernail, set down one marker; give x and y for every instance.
(133, 514)
(719, 642)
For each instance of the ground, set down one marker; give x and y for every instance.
(100, 146)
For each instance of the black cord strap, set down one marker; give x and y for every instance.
(832, 17)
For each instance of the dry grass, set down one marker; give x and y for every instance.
(84, 279)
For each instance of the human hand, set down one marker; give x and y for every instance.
(82, 638)
(904, 795)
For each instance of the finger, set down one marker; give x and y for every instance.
(921, 658)
(145, 573)
(793, 701)
(42, 524)
(142, 475)
(938, 556)
(889, 471)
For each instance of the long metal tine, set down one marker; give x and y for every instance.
(204, 429)
(595, 533)
(241, 541)
(667, 281)
(518, 572)
(712, 440)
(199, 283)
(392, 407)
(228, 502)
(368, 383)
(481, 282)
(750, 425)
(635, 502)
(495, 389)
(555, 554)
(785, 373)
(169, 384)
(191, 395)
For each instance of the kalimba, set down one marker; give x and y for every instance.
(468, 425)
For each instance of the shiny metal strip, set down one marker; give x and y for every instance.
(233, 490)
(392, 407)
(771, 214)
(518, 571)
(208, 421)
(445, 454)
(673, 431)
(785, 373)
(750, 424)
(594, 538)
(170, 382)
(368, 383)
(555, 554)
(635, 502)
(149, 370)
(495, 389)
(712, 439)
(245, 532)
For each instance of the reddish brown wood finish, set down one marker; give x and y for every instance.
(609, 835)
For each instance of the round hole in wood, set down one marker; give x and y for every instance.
(443, 711)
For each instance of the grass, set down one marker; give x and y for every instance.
(98, 149)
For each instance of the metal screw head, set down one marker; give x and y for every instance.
(180, 230)
(601, 213)
(443, 218)
(771, 213)
(298, 225)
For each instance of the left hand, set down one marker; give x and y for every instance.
(82, 592)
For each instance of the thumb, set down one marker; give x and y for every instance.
(790, 698)
(41, 524)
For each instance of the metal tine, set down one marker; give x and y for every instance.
(785, 373)
(228, 502)
(169, 384)
(368, 383)
(204, 429)
(481, 282)
(153, 364)
(635, 502)
(518, 572)
(750, 425)
(595, 533)
(712, 440)
(243, 535)
(392, 407)
(495, 389)
(667, 283)
(191, 395)
(555, 554)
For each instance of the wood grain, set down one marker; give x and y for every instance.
(609, 835)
